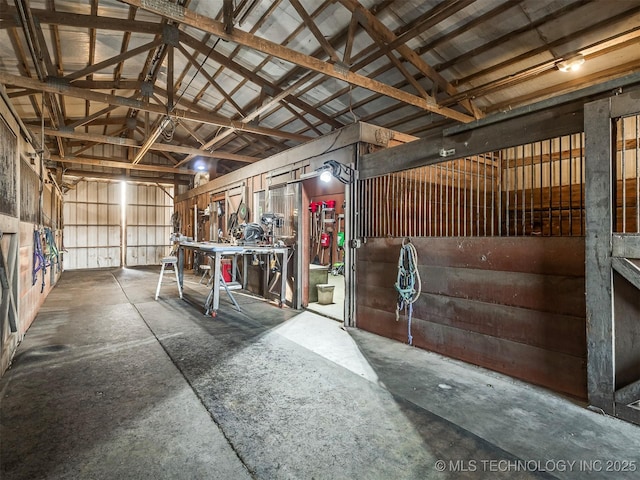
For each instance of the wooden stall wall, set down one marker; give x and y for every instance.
(34, 288)
(513, 305)
(20, 216)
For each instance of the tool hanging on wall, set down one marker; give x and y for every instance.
(39, 260)
(337, 268)
(328, 222)
(314, 208)
(51, 250)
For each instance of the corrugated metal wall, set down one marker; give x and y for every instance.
(93, 234)
(148, 223)
(92, 225)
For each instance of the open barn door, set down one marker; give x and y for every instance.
(612, 129)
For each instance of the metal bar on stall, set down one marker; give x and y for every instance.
(560, 204)
(446, 199)
(523, 202)
(392, 200)
(452, 203)
(387, 206)
(550, 188)
(464, 207)
(409, 206)
(515, 191)
(493, 194)
(398, 187)
(402, 190)
(571, 184)
(477, 197)
(366, 208)
(541, 192)
(637, 178)
(524, 193)
(377, 207)
(507, 196)
(623, 175)
(429, 205)
(532, 176)
(458, 216)
(582, 213)
(405, 207)
(471, 196)
(422, 217)
(438, 186)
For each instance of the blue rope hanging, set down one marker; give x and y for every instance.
(39, 260)
(408, 283)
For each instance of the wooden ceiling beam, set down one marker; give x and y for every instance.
(114, 84)
(209, 78)
(161, 147)
(313, 28)
(165, 178)
(351, 34)
(255, 78)
(52, 17)
(42, 62)
(188, 17)
(95, 67)
(385, 35)
(245, 120)
(115, 164)
(430, 18)
(92, 117)
(91, 95)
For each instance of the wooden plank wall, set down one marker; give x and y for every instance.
(514, 305)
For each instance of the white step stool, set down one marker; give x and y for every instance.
(173, 261)
(206, 270)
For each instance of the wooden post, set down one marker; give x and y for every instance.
(600, 178)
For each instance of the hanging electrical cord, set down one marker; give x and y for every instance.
(196, 73)
(408, 283)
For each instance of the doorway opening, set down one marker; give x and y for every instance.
(325, 248)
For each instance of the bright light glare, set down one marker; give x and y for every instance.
(200, 167)
(325, 176)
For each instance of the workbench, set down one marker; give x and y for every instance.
(218, 250)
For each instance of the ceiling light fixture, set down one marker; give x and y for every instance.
(570, 64)
(326, 176)
(331, 168)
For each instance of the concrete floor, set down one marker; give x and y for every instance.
(109, 383)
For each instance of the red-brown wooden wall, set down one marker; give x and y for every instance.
(514, 305)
